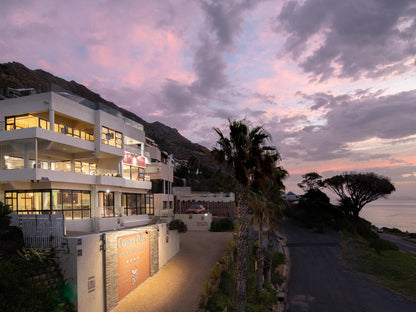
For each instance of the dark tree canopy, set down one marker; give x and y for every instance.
(355, 190)
(311, 181)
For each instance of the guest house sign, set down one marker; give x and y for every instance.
(133, 159)
(133, 255)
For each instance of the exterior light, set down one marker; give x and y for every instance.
(107, 191)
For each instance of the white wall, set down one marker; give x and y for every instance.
(169, 244)
(84, 271)
(196, 222)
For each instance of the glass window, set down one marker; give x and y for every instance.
(57, 200)
(111, 137)
(11, 200)
(126, 172)
(106, 204)
(78, 166)
(73, 204)
(93, 169)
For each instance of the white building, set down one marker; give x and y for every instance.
(61, 154)
(160, 171)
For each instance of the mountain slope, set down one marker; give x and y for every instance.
(16, 75)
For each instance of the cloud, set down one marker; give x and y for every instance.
(349, 39)
(353, 127)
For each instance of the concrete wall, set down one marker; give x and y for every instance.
(196, 222)
(82, 265)
(169, 244)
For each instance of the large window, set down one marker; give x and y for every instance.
(26, 121)
(136, 204)
(74, 132)
(73, 204)
(106, 204)
(111, 137)
(161, 187)
(133, 173)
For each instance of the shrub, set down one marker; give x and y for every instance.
(278, 258)
(178, 225)
(382, 245)
(412, 235)
(222, 225)
(4, 216)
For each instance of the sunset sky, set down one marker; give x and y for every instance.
(334, 82)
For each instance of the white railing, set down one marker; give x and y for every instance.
(41, 231)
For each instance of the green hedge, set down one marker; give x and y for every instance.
(222, 225)
(178, 225)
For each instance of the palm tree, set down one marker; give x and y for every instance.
(267, 203)
(243, 153)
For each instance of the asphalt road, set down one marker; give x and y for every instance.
(320, 282)
(403, 245)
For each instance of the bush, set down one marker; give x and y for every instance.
(382, 245)
(4, 216)
(178, 225)
(412, 235)
(19, 292)
(222, 225)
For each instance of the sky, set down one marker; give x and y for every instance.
(333, 82)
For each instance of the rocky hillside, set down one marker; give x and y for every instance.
(16, 75)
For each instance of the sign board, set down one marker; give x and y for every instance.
(135, 160)
(133, 258)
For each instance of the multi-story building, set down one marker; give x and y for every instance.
(160, 171)
(61, 154)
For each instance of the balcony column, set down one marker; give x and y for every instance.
(95, 211)
(51, 119)
(25, 157)
(36, 152)
(117, 203)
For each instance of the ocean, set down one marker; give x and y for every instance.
(399, 214)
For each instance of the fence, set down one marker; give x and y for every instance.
(41, 231)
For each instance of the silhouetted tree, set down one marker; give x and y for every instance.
(355, 190)
(311, 180)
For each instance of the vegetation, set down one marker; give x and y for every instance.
(4, 216)
(392, 268)
(355, 190)
(362, 248)
(202, 178)
(311, 181)
(23, 289)
(178, 225)
(244, 152)
(224, 298)
(222, 225)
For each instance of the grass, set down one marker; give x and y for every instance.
(395, 270)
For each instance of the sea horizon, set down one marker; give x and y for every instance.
(400, 214)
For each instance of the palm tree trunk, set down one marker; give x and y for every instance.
(260, 261)
(268, 257)
(242, 247)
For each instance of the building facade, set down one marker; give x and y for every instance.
(160, 171)
(61, 154)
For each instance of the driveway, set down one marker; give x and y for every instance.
(177, 286)
(320, 282)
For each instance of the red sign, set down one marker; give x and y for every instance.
(133, 258)
(135, 160)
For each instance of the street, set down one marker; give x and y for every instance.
(403, 245)
(320, 282)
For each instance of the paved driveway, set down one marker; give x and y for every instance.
(320, 282)
(177, 286)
